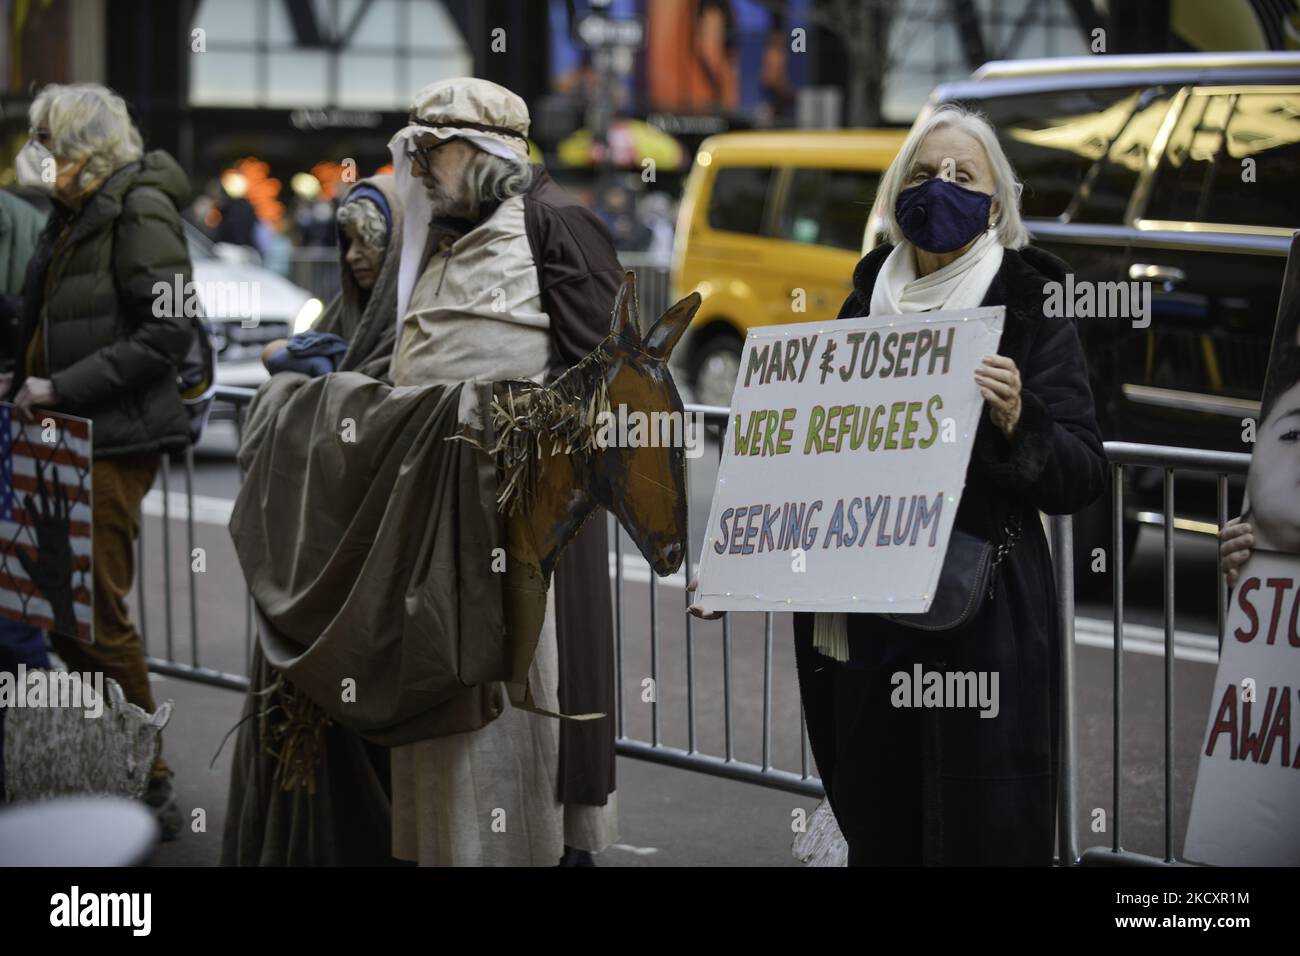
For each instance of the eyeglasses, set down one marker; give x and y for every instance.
(423, 154)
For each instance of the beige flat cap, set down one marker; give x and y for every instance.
(489, 115)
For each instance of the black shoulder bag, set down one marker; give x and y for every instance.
(969, 575)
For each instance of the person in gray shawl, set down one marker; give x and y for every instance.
(306, 791)
(350, 335)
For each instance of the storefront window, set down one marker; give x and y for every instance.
(335, 53)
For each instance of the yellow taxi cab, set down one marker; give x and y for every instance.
(770, 228)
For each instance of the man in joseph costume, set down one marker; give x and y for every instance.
(505, 276)
(366, 536)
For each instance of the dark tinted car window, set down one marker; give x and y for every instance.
(1106, 189)
(828, 207)
(739, 198)
(1233, 159)
(1054, 138)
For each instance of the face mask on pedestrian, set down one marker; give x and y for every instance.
(36, 167)
(940, 216)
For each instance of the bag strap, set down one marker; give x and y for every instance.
(1011, 533)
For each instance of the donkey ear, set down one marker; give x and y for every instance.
(659, 341)
(627, 319)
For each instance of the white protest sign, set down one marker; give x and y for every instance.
(1246, 806)
(844, 462)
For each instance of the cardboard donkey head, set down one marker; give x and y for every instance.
(562, 454)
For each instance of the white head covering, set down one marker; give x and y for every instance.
(487, 115)
(490, 116)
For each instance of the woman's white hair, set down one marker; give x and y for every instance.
(1010, 227)
(493, 178)
(362, 219)
(87, 121)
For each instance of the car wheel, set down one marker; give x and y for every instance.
(716, 367)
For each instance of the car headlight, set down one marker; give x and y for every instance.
(310, 311)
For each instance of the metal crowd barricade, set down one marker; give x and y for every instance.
(169, 665)
(691, 757)
(1169, 460)
(803, 781)
(316, 269)
(652, 283)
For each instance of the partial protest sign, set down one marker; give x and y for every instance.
(844, 462)
(1246, 805)
(45, 522)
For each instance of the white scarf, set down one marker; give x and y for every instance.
(961, 284)
(415, 227)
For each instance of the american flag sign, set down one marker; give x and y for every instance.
(45, 522)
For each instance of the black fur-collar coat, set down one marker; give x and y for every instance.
(947, 786)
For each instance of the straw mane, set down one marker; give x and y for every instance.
(534, 421)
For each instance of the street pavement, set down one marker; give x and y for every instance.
(670, 816)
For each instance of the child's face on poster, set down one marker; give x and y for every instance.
(1274, 481)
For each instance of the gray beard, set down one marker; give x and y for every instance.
(446, 205)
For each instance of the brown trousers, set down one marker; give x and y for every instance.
(119, 486)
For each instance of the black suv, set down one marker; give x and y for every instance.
(1178, 170)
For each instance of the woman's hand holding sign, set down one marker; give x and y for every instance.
(1236, 539)
(35, 393)
(697, 611)
(999, 382)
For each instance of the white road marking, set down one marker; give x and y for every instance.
(637, 850)
(207, 508)
(1144, 639)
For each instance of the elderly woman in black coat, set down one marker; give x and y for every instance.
(950, 786)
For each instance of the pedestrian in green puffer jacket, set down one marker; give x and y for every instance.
(89, 327)
(93, 344)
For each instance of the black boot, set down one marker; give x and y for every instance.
(575, 857)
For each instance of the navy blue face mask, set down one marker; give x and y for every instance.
(940, 216)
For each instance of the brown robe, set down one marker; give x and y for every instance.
(579, 274)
